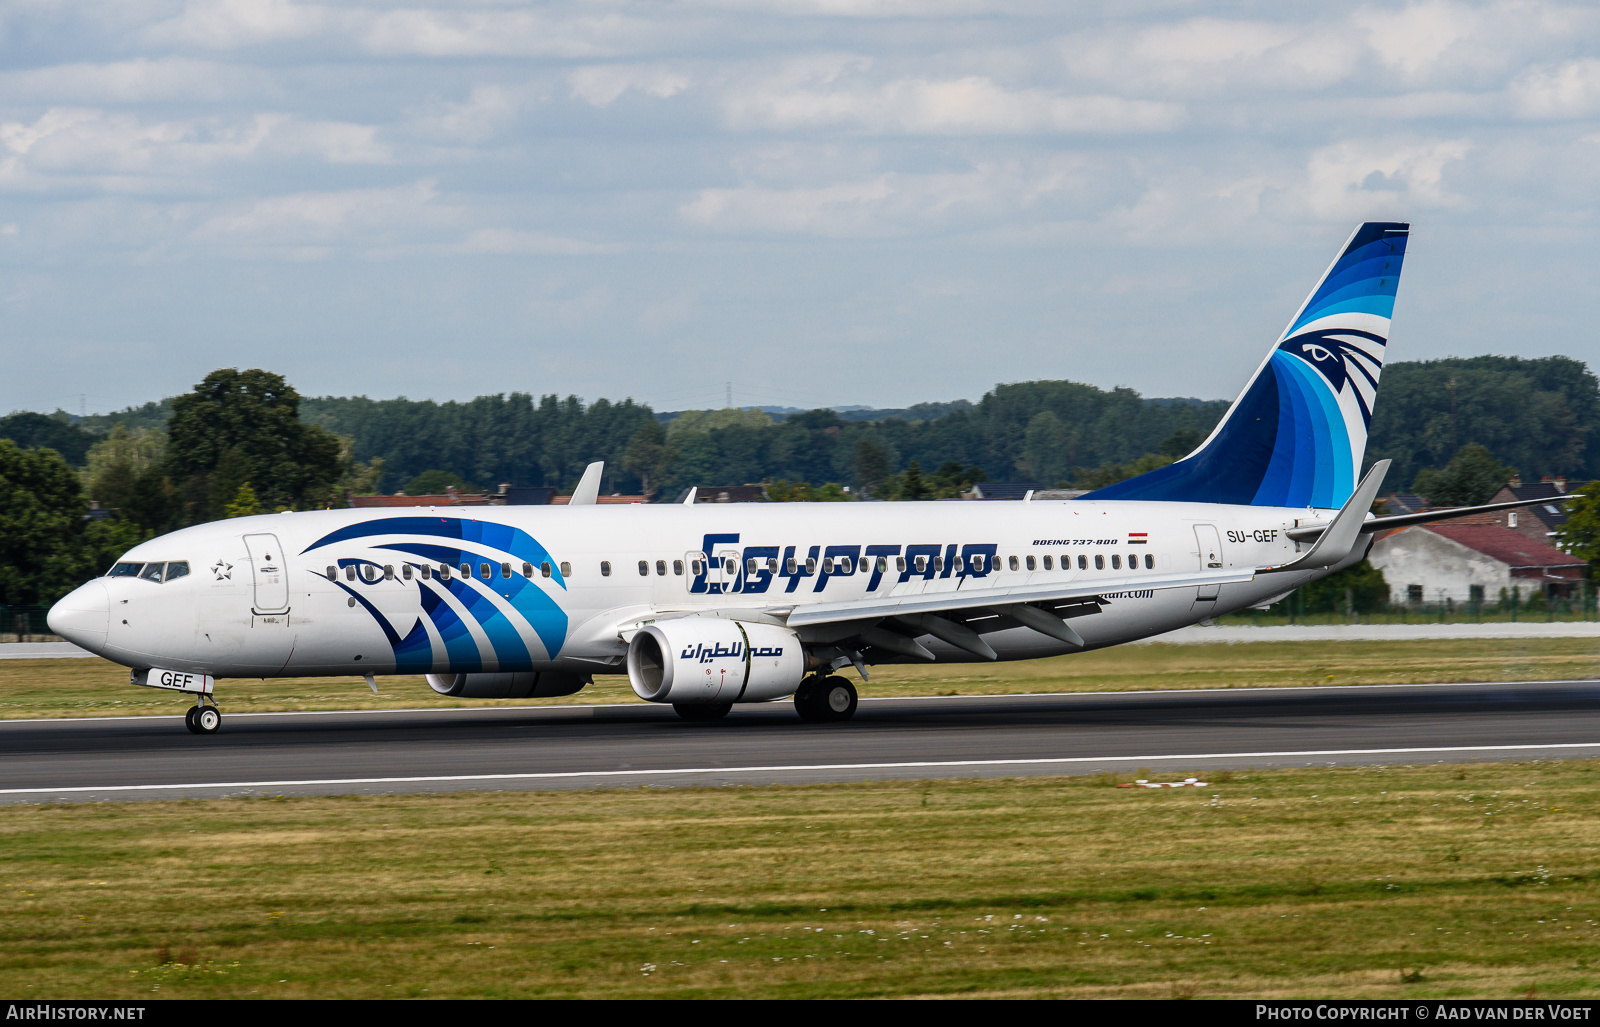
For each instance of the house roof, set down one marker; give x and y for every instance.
(1503, 544)
(1405, 502)
(1554, 515)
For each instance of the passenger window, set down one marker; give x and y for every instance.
(644, 568)
(527, 569)
(124, 570)
(772, 565)
(466, 570)
(333, 573)
(788, 566)
(485, 571)
(1049, 564)
(1014, 563)
(938, 565)
(811, 565)
(566, 569)
(847, 565)
(661, 568)
(827, 565)
(677, 568)
(1099, 562)
(900, 564)
(750, 565)
(350, 572)
(405, 571)
(1083, 562)
(922, 564)
(505, 570)
(544, 569)
(605, 569)
(444, 572)
(1149, 561)
(730, 566)
(956, 565)
(695, 567)
(388, 572)
(883, 564)
(1116, 562)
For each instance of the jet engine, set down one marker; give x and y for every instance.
(522, 684)
(712, 660)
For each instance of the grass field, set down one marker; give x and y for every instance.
(93, 687)
(1374, 882)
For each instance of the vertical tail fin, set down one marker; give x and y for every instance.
(1296, 435)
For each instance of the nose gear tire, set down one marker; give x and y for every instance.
(188, 720)
(207, 719)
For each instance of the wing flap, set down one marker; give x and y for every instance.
(978, 598)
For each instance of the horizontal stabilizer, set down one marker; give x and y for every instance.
(1386, 523)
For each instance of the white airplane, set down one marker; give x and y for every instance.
(707, 606)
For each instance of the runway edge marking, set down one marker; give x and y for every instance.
(570, 774)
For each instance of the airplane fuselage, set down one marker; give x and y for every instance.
(494, 589)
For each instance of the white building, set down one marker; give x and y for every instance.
(1469, 563)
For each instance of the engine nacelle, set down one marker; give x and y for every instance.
(522, 684)
(704, 660)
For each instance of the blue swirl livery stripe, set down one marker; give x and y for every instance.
(1296, 436)
(530, 603)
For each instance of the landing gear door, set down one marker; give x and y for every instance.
(269, 572)
(1209, 549)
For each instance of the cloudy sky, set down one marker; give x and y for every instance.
(820, 201)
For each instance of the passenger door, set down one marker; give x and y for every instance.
(269, 574)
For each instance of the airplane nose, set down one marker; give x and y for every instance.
(83, 616)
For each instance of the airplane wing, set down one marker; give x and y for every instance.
(1307, 532)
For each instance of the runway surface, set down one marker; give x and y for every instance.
(531, 748)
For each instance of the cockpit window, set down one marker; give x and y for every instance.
(178, 569)
(124, 570)
(151, 572)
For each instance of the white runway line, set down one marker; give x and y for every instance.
(568, 775)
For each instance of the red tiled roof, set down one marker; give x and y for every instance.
(1505, 545)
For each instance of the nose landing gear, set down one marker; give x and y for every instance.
(203, 719)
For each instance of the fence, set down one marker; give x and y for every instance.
(24, 624)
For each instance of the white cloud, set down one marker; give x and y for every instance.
(1381, 178)
(1570, 90)
(511, 241)
(135, 81)
(319, 223)
(888, 204)
(601, 84)
(1212, 55)
(231, 24)
(837, 92)
(1437, 40)
(69, 143)
(488, 110)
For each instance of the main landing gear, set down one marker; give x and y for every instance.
(820, 700)
(702, 712)
(203, 719)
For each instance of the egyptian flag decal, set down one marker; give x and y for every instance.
(1138, 538)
